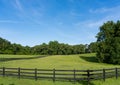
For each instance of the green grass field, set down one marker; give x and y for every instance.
(15, 81)
(82, 61)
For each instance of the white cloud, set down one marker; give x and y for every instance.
(89, 24)
(18, 5)
(89, 28)
(101, 10)
(9, 21)
(73, 13)
(104, 10)
(114, 15)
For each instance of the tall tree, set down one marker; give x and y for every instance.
(108, 43)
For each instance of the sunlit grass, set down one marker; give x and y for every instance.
(16, 81)
(82, 61)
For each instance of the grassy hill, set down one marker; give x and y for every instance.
(82, 61)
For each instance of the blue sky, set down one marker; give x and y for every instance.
(33, 22)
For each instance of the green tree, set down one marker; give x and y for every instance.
(5, 46)
(54, 47)
(78, 49)
(92, 47)
(108, 43)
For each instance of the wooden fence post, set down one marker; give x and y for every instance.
(53, 75)
(88, 76)
(116, 73)
(3, 71)
(74, 76)
(19, 72)
(35, 73)
(104, 76)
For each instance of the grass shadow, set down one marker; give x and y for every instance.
(71, 81)
(12, 59)
(50, 79)
(89, 58)
(85, 83)
(9, 84)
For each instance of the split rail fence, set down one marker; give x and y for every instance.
(55, 74)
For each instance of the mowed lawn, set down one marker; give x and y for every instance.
(15, 81)
(82, 61)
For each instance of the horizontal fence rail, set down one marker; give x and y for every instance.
(56, 74)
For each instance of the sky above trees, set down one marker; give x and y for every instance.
(32, 22)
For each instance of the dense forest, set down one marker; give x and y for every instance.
(52, 48)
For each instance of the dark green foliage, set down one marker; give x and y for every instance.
(52, 48)
(92, 47)
(7, 48)
(56, 48)
(108, 43)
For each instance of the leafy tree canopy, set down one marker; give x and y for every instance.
(52, 48)
(108, 43)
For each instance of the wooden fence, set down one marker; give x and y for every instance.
(55, 74)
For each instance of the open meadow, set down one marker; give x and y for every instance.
(78, 62)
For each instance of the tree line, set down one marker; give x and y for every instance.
(6, 47)
(52, 48)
